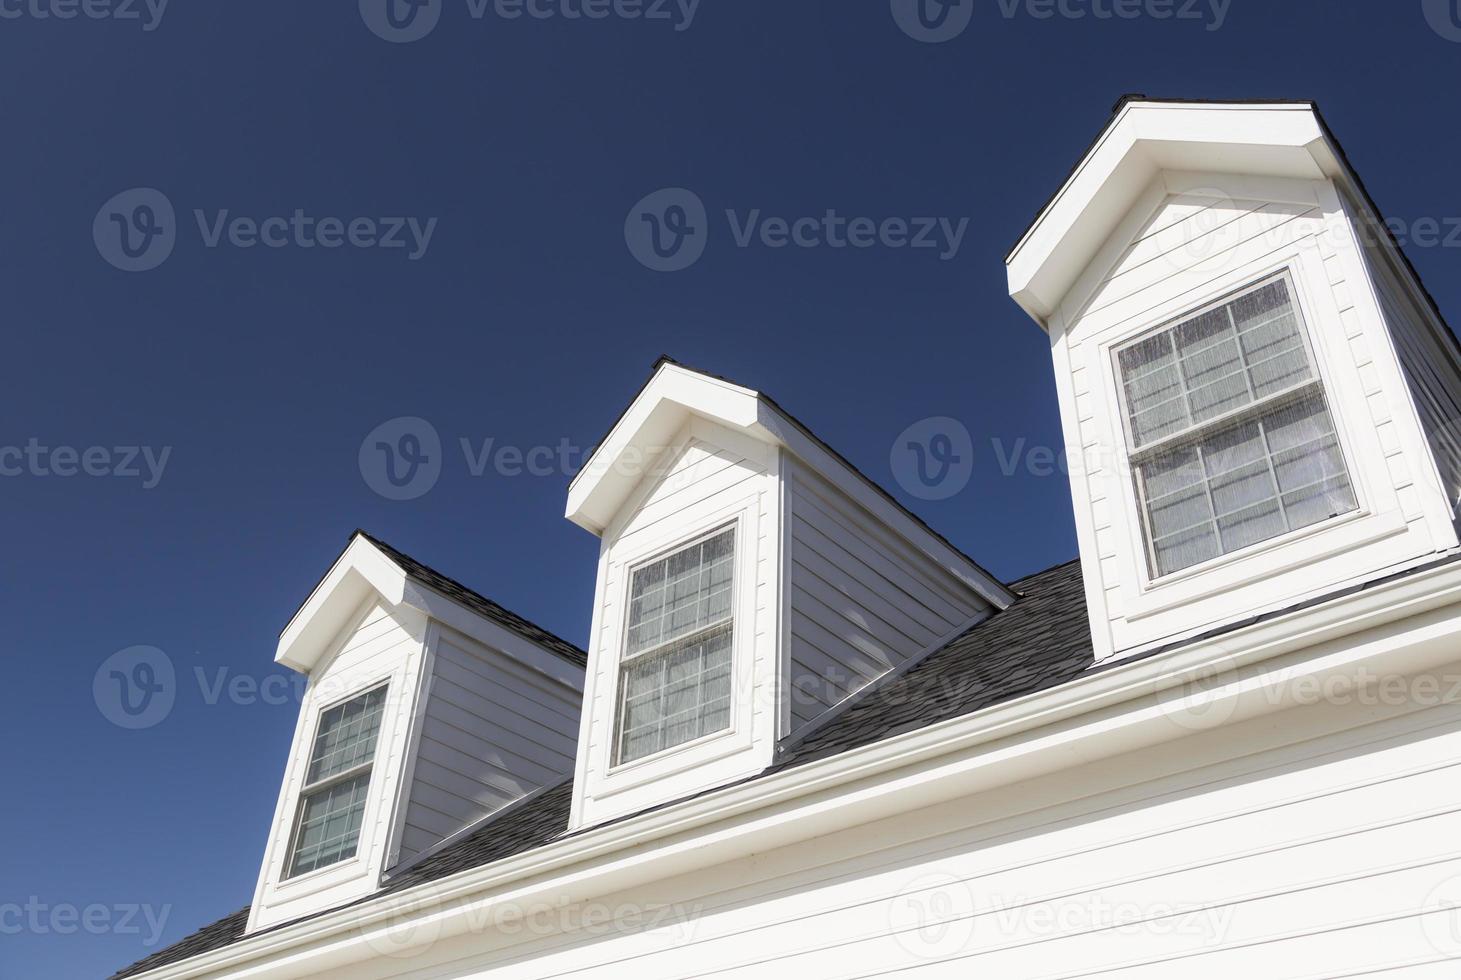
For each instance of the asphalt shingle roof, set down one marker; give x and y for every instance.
(1040, 641)
(479, 603)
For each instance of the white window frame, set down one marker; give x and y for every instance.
(308, 789)
(622, 658)
(1132, 456)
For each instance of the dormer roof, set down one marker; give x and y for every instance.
(1144, 138)
(674, 394)
(369, 565)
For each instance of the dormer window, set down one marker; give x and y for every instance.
(1228, 429)
(332, 805)
(675, 675)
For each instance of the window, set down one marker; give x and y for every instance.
(1230, 437)
(675, 677)
(332, 805)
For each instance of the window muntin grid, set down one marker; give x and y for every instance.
(332, 803)
(1232, 442)
(675, 677)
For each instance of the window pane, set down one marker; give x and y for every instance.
(329, 825)
(676, 695)
(346, 736)
(1277, 471)
(682, 594)
(1214, 363)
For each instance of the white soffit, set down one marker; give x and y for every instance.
(1144, 139)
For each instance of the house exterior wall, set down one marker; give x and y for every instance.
(1194, 238)
(714, 478)
(491, 732)
(383, 646)
(861, 602)
(1426, 355)
(1315, 842)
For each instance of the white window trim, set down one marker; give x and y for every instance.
(306, 788)
(735, 526)
(1377, 516)
(280, 890)
(605, 783)
(1133, 456)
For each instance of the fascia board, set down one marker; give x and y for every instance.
(647, 427)
(360, 569)
(1404, 625)
(1143, 140)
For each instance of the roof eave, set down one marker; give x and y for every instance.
(1144, 139)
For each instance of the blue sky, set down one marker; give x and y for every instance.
(181, 447)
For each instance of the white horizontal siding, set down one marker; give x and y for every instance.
(861, 603)
(711, 478)
(491, 733)
(1192, 244)
(1430, 371)
(1293, 848)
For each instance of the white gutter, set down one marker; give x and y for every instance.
(1128, 705)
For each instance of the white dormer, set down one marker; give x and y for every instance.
(749, 580)
(1258, 397)
(428, 709)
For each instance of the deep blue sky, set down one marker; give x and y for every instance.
(527, 321)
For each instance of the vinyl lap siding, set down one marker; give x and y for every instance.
(1430, 371)
(861, 603)
(491, 733)
(1291, 849)
(1190, 242)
